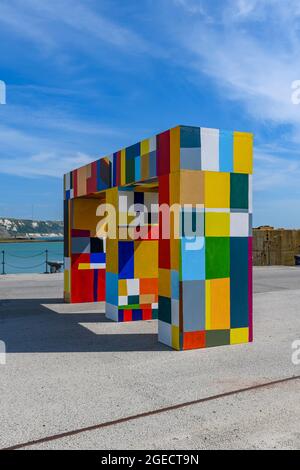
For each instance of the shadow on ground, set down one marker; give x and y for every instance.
(48, 325)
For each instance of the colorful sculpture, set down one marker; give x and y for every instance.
(179, 245)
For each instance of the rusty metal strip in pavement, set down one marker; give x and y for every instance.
(146, 414)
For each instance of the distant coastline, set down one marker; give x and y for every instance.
(25, 230)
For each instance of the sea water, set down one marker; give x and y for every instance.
(29, 257)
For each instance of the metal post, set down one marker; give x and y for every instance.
(3, 262)
(46, 272)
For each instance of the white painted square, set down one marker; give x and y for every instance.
(123, 300)
(239, 224)
(210, 149)
(126, 201)
(152, 144)
(133, 286)
(97, 265)
(164, 333)
(67, 264)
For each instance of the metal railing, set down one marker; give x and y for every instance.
(45, 262)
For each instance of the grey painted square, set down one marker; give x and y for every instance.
(193, 305)
(152, 164)
(81, 245)
(250, 225)
(190, 158)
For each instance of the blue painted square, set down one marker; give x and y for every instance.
(226, 151)
(121, 315)
(97, 258)
(192, 259)
(68, 193)
(137, 315)
(126, 260)
(138, 198)
(190, 137)
(111, 284)
(133, 151)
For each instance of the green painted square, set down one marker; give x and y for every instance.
(217, 257)
(154, 313)
(164, 309)
(217, 338)
(239, 191)
(130, 170)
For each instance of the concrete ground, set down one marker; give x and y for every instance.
(68, 367)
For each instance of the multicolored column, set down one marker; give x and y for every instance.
(205, 272)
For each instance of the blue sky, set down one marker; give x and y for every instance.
(86, 77)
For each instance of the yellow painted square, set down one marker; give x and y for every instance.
(217, 224)
(239, 335)
(112, 259)
(175, 338)
(220, 304)
(207, 305)
(66, 281)
(175, 250)
(243, 152)
(175, 149)
(174, 179)
(164, 282)
(145, 147)
(123, 287)
(146, 259)
(217, 190)
(83, 266)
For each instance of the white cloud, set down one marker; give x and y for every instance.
(53, 164)
(252, 52)
(55, 25)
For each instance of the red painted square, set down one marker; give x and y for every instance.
(147, 314)
(101, 285)
(127, 315)
(164, 254)
(164, 189)
(163, 153)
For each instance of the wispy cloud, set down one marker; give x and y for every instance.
(251, 52)
(53, 164)
(58, 24)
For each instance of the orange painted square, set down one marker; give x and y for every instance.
(127, 315)
(148, 286)
(220, 304)
(194, 340)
